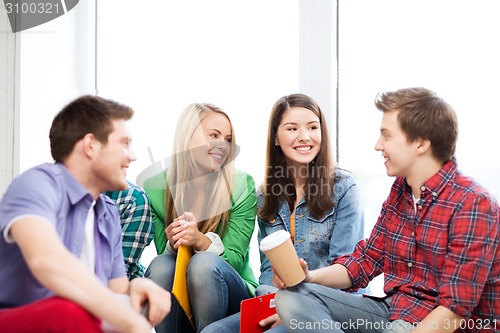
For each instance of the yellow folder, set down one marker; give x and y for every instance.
(179, 289)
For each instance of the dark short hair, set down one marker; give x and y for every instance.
(86, 114)
(425, 115)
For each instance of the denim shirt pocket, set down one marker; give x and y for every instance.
(320, 235)
(274, 225)
(323, 227)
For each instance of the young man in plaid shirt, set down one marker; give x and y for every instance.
(436, 239)
(137, 226)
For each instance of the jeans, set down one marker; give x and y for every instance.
(231, 324)
(263, 290)
(215, 290)
(313, 308)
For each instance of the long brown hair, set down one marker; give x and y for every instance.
(320, 171)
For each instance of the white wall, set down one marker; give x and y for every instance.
(241, 56)
(44, 68)
(9, 121)
(55, 63)
(317, 65)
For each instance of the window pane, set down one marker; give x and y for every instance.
(160, 56)
(448, 46)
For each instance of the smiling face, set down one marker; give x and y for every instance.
(399, 154)
(113, 158)
(299, 136)
(210, 143)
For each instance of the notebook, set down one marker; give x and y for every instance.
(179, 289)
(255, 309)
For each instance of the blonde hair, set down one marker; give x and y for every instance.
(179, 185)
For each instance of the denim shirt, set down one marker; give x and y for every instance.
(319, 241)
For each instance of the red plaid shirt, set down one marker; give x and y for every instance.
(446, 252)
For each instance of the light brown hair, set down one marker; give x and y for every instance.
(425, 115)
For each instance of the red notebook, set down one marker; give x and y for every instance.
(255, 309)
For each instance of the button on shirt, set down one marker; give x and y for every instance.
(51, 193)
(444, 253)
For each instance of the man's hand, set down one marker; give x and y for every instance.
(159, 302)
(271, 321)
(278, 282)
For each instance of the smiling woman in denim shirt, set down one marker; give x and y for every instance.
(304, 193)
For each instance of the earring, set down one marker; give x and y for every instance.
(276, 143)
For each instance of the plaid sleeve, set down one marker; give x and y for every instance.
(472, 247)
(137, 226)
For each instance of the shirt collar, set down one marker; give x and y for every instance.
(75, 190)
(435, 185)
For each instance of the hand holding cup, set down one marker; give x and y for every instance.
(279, 249)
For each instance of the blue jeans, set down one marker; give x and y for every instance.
(313, 308)
(231, 324)
(215, 290)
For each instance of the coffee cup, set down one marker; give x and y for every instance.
(278, 248)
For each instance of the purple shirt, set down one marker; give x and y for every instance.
(50, 192)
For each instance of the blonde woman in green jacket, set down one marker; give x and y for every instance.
(202, 202)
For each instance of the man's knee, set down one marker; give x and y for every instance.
(286, 302)
(265, 289)
(50, 315)
(73, 318)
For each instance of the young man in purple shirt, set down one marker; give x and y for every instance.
(436, 239)
(61, 245)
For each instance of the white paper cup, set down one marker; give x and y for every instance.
(279, 249)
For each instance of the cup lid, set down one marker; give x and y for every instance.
(276, 238)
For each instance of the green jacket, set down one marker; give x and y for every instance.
(237, 238)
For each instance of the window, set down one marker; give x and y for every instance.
(159, 56)
(447, 46)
